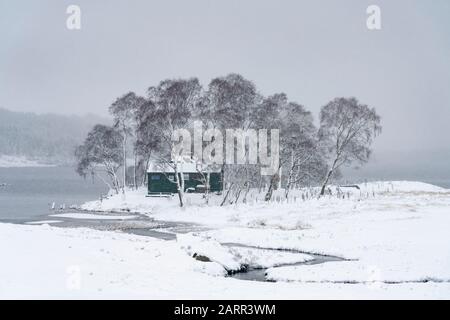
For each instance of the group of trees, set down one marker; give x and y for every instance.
(144, 126)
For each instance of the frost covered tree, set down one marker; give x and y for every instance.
(301, 158)
(99, 154)
(147, 142)
(173, 103)
(230, 103)
(347, 130)
(268, 116)
(123, 111)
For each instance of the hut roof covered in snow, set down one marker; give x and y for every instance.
(184, 166)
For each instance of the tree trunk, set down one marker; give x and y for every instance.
(247, 190)
(325, 183)
(144, 178)
(124, 161)
(134, 171)
(288, 184)
(116, 184)
(330, 173)
(207, 188)
(222, 173)
(273, 185)
(180, 197)
(238, 195)
(226, 195)
(269, 192)
(180, 185)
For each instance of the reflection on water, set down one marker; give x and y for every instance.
(29, 192)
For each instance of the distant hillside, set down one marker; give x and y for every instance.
(49, 137)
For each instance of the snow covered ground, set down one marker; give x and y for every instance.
(393, 237)
(92, 216)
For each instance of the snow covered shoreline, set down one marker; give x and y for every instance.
(394, 237)
(20, 162)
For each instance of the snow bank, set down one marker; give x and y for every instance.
(235, 257)
(250, 214)
(400, 186)
(87, 216)
(44, 222)
(353, 272)
(131, 201)
(20, 162)
(196, 245)
(260, 258)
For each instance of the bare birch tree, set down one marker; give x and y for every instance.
(230, 103)
(347, 130)
(301, 158)
(123, 110)
(148, 142)
(101, 153)
(173, 102)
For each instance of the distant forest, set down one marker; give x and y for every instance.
(48, 137)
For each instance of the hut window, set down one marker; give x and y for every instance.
(186, 176)
(156, 177)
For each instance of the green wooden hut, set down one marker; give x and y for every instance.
(161, 179)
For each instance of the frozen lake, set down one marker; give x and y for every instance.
(29, 192)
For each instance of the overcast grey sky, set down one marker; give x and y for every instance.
(312, 50)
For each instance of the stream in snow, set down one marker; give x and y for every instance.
(164, 230)
(259, 273)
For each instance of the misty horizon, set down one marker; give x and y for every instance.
(313, 52)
